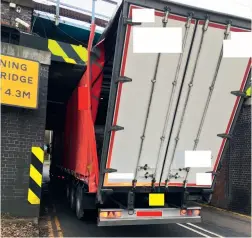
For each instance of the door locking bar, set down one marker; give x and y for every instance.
(211, 89)
(153, 82)
(174, 85)
(190, 85)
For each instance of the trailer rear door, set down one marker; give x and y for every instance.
(162, 118)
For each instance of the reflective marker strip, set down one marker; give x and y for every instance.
(149, 213)
(36, 171)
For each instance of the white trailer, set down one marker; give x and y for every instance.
(169, 116)
(164, 104)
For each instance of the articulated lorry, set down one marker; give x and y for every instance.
(135, 119)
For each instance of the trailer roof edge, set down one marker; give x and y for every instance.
(199, 13)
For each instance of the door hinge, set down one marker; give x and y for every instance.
(239, 94)
(128, 21)
(116, 128)
(212, 172)
(225, 136)
(123, 79)
(110, 170)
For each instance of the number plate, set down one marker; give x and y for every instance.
(156, 199)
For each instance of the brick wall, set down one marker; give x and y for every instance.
(233, 185)
(21, 129)
(8, 16)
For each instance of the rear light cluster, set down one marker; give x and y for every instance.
(110, 214)
(189, 212)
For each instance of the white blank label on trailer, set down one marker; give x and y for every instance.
(198, 159)
(239, 46)
(203, 178)
(120, 176)
(157, 40)
(143, 15)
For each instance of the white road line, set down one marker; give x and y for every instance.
(200, 228)
(191, 229)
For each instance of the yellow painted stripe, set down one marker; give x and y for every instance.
(50, 228)
(39, 153)
(81, 51)
(32, 198)
(55, 49)
(57, 223)
(35, 175)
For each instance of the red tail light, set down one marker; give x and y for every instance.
(189, 212)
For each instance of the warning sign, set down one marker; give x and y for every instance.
(19, 82)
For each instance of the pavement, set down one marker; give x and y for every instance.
(61, 222)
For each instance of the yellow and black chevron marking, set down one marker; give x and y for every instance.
(36, 170)
(68, 53)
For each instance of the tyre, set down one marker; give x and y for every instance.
(79, 203)
(68, 192)
(72, 198)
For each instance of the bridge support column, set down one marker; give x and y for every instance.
(22, 129)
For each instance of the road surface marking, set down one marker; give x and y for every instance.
(191, 229)
(57, 223)
(50, 229)
(224, 210)
(200, 228)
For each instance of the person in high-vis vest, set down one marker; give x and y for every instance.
(248, 92)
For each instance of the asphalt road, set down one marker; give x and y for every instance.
(63, 223)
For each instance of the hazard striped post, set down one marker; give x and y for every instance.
(36, 174)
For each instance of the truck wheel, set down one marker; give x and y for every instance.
(72, 198)
(68, 191)
(79, 203)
